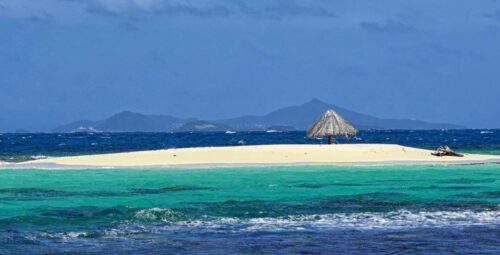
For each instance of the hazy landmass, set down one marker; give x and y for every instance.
(297, 117)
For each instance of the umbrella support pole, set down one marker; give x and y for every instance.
(330, 139)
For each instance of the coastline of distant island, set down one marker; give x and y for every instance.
(285, 119)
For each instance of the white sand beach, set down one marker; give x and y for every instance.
(353, 154)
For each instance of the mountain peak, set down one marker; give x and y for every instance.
(316, 101)
(298, 117)
(301, 116)
(126, 113)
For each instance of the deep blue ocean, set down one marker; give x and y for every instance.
(14, 146)
(415, 209)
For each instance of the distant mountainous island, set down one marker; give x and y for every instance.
(289, 118)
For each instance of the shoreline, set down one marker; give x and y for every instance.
(58, 167)
(256, 156)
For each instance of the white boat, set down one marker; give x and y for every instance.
(272, 131)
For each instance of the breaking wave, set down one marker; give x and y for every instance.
(159, 220)
(366, 220)
(158, 215)
(169, 220)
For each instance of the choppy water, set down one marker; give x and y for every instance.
(23, 146)
(274, 210)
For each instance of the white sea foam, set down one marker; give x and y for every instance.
(367, 220)
(401, 219)
(60, 235)
(158, 214)
(392, 220)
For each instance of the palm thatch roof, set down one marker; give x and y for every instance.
(331, 124)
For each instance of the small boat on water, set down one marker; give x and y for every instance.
(272, 131)
(486, 132)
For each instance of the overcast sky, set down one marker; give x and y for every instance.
(63, 60)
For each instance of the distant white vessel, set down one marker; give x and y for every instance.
(83, 129)
(272, 131)
(38, 157)
(486, 132)
(230, 132)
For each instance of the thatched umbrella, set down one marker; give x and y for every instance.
(330, 125)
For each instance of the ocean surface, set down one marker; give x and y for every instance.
(262, 210)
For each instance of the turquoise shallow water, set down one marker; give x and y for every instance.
(430, 209)
(276, 210)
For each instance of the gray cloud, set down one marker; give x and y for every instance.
(129, 26)
(276, 9)
(271, 8)
(390, 27)
(39, 19)
(198, 8)
(186, 9)
(100, 11)
(291, 8)
(496, 15)
(493, 28)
